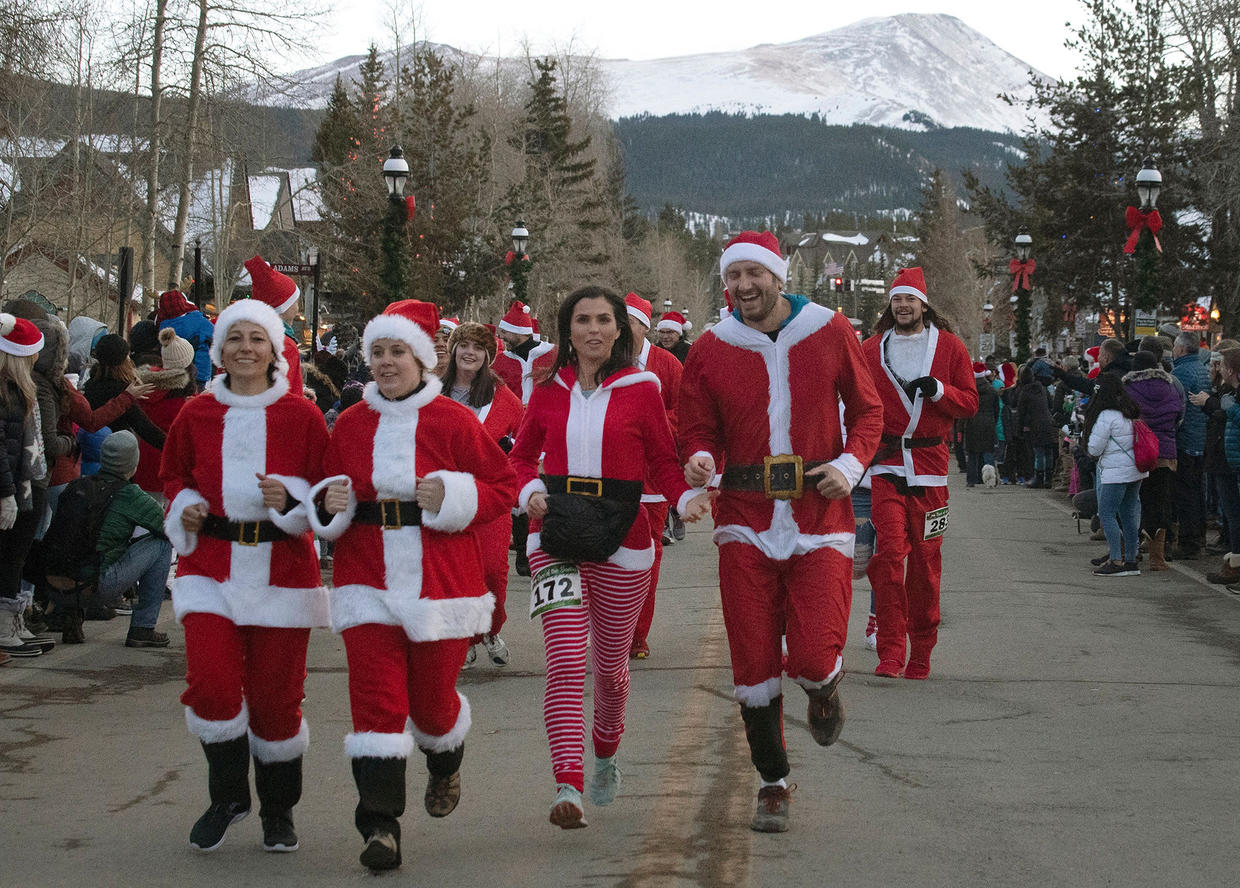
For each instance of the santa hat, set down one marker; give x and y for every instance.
(754, 246)
(518, 319)
(270, 286)
(1094, 371)
(1092, 354)
(534, 324)
(255, 312)
(979, 370)
(639, 308)
(674, 320)
(411, 321)
(1008, 369)
(19, 336)
(911, 281)
(449, 324)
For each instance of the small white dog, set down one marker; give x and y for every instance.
(990, 476)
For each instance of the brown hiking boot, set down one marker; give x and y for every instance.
(1158, 551)
(442, 794)
(1229, 573)
(826, 712)
(771, 815)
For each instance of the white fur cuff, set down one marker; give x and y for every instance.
(759, 695)
(939, 393)
(293, 522)
(218, 731)
(682, 504)
(850, 467)
(371, 744)
(183, 541)
(339, 523)
(268, 751)
(451, 740)
(814, 685)
(459, 506)
(523, 498)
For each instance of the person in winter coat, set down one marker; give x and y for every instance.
(1108, 429)
(1189, 504)
(114, 372)
(1033, 407)
(979, 429)
(173, 381)
(84, 333)
(190, 324)
(1162, 408)
(469, 380)
(1223, 479)
(411, 477)
(237, 469)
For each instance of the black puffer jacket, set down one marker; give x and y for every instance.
(1033, 406)
(979, 430)
(13, 428)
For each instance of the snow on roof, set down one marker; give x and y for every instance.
(307, 201)
(264, 192)
(858, 239)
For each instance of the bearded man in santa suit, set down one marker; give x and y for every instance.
(925, 377)
(523, 355)
(662, 364)
(282, 293)
(759, 398)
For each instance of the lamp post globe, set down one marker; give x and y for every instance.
(1149, 184)
(520, 237)
(393, 246)
(396, 173)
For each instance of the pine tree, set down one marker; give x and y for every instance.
(334, 141)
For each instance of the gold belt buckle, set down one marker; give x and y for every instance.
(592, 486)
(393, 523)
(241, 533)
(783, 493)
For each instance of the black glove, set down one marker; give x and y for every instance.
(927, 385)
(505, 443)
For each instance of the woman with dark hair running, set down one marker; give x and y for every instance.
(1109, 433)
(600, 425)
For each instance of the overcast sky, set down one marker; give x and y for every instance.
(647, 29)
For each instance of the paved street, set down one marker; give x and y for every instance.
(1076, 731)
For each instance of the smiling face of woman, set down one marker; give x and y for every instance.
(246, 354)
(396, 369)
(593, 331)
(470, 358)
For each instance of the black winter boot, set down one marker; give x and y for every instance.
(381, 802)
(520, 533)
(764, 731)
(443, 788)
(228, 783)
(279, 788)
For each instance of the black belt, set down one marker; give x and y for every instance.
(911, 443)
(247, 533)
(779, 477)
(390, 513)
(604, 488)
(901, 486)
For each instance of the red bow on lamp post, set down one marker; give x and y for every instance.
(1137, 220)
(410, 206)
(510, 256)
(1022, 273)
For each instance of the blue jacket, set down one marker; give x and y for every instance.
(1231, 437)
(1193, 375)
(194, 327)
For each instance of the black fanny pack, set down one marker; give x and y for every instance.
(584, 525)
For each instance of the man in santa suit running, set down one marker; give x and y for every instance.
(925, 379)
(664, 365)
(761, 391)
(523, 356)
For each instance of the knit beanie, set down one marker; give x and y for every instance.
(119, 454)
(112, 350)
(175, 353)
(144, 338)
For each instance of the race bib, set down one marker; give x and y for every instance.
(556, 585)
(936, 524)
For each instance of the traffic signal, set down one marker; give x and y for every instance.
(839, 285)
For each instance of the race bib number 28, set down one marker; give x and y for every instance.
(556, 585)
(936, 524)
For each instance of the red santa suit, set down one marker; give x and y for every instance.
(909, 480)
(519, 373)
(500, 419)
(617, 432)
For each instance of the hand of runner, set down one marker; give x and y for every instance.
(833, 484)
(699, 470)
(430, 494)
(275, 494)
(537, 506)
(336, 498)
(698, 507)
(193, 516)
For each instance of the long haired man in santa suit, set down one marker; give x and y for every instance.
(759, 398)
(667, 369)
(237, 468)
(925, 377)
(282, 293)
(410, 475)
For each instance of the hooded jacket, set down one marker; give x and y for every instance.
(1162, 407)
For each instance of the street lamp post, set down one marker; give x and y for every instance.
(1022, 268)
(1145, 250)
(519, 261)
(395, 258)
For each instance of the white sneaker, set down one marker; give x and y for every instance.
(605, 782)
(496, 649)
(471, 657)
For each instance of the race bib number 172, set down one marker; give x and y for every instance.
(936, 524)
(556, 585)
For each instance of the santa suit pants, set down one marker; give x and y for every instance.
(906, 599)
(393, 680)
(493, 540)
(656, 513)
(612, 599)
(262, 668)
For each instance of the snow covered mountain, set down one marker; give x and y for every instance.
(912, 71)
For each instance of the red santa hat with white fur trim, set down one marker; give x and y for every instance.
(754, 246)
(272, 287)
(255, 312)
(639, 308)
(518, 319)
(411, 321)
(912, 282)
(674, 320)
(19, 336)
(979, 370)
(449, 324)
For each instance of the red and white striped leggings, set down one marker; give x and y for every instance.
(612, 600)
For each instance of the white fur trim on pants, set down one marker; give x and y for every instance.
(269, 751)
(759, 695)
(815, 685)
(218, 731)
(451, 740)
(371, 744)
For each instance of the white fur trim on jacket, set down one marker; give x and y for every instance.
(339, 523)
(182, 540)
(451, 740)
(759, 695)
(423, 619)
(229, 398)
(815, 685)
(269, 751)
(523, 498)
(372, 744)
(391, 326)
(218, 731)
(460, 502)
(406, 406)
(255, 312)
(247, 604)
(294, 521)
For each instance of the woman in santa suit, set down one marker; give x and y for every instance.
(237, 468)
(468, 379)
(410, 476)
(601, 424)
